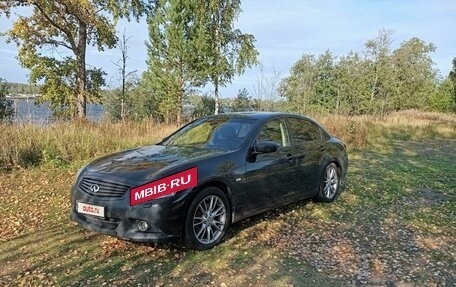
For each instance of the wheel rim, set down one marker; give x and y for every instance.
(331, 182)
(209, 219)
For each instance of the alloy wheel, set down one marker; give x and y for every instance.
(331, 182)
(209, 219)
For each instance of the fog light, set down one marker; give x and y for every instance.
(143, 226)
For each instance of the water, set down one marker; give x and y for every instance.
(27, 111)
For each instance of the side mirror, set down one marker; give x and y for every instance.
(265, 147)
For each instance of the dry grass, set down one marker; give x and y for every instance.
(64, 142)
(352, 130)
(357, 131)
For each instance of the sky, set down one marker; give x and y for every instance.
(287, 29)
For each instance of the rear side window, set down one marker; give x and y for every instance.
(304, 131)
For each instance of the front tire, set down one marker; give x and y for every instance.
(207, 219)
(330, 184)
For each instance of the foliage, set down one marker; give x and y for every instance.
(68, 25)
(442, 100)
(6, 106)
(242, 102)
(452, 78)
(190, 43)
(379, 82)
(204, 106)
(139, 103)
(58, 87)
(352, 93)
(226, 51)
(415, 77)
(171, 56)
(23, 89)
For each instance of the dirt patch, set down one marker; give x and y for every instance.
(432, 196)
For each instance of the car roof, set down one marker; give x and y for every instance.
(263, 116)
(257, 115)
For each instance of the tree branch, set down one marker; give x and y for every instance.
(58, 43)
(59, 27)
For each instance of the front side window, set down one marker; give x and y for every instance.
(274, 131)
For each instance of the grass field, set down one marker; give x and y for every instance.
(394, 225)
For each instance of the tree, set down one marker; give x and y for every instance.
(300, 87)
(242, 102)
(227, 51)
(378, 57)
(414, 75)
(452, 77)
(19, 88)
(119, 102)
(70, 25)
(325, 90)
(172, 50)
(352, 85)
(6, 106)
(442, 99)
(190, 43)
(266, 90)
(204, 106)
(311, 86)
(379, 82)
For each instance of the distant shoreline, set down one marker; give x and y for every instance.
(27, 111)
(22, 96)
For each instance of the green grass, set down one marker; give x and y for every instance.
(394, 224)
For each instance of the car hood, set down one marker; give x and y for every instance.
(144, 162)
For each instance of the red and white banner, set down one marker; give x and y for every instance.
(167, 185)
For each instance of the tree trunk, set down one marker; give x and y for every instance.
(179, 108)
(180, 94)
(80, 87)
(338, 101)
(374, 87)
(81, 71)
(217, 102)
(122, 110)
(123, 72)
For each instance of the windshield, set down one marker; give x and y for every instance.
(213, 133)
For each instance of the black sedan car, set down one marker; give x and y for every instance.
(207, 175)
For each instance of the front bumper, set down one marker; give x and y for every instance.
(165, 216)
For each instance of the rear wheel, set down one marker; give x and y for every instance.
(207, 219)
(329, 185)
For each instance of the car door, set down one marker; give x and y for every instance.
(269, 177)
(308, 151)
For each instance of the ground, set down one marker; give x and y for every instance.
(393, 226)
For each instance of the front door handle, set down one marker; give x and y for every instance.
(289, 157)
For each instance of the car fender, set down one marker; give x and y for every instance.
(218, 182)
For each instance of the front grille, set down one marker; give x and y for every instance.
(106, 188)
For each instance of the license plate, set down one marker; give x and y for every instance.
(91, 209)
